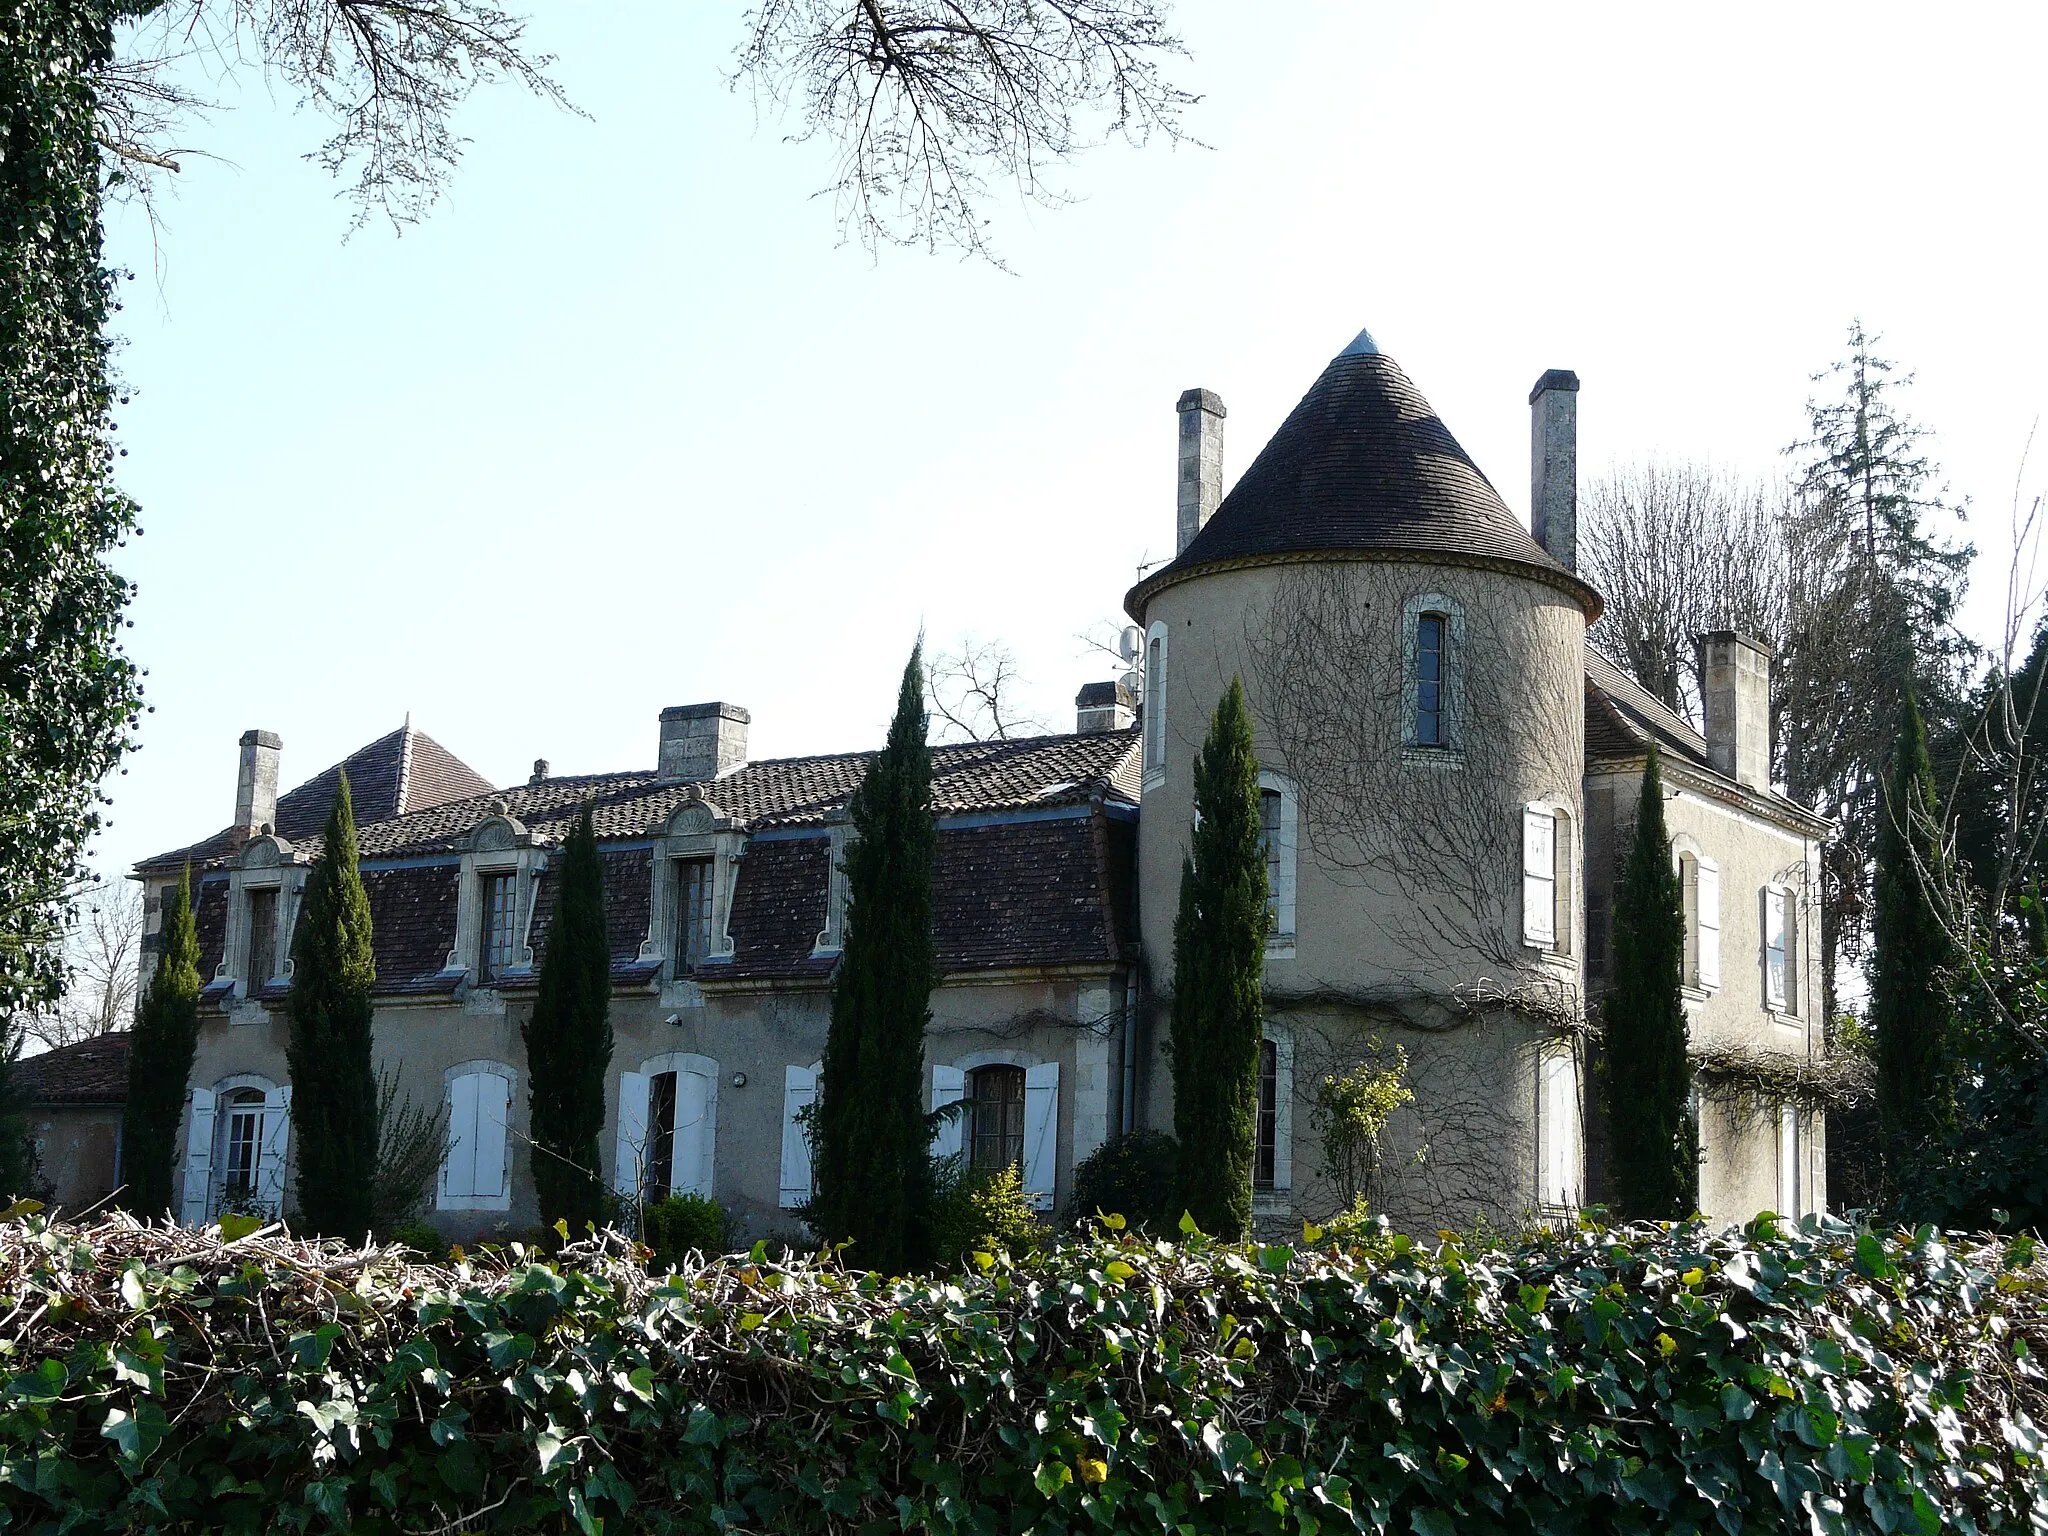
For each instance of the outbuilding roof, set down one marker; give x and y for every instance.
(1364, 465)
(93, 1071)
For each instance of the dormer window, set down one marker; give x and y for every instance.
(694, 890)
(498, 903)
(262, 935)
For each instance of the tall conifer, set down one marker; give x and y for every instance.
(1653, 1143)
(334, 1087)
(874, 1159)
(160, 1060)
(1912, 1011)
(569, 1041)
(1219, 956)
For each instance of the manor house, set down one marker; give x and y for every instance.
(1449, 778)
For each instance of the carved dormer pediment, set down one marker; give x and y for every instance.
(498, 834)
(695, 817)
(265, 851)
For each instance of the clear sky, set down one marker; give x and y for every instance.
(624, 424)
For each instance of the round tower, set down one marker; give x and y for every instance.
(1415, 664)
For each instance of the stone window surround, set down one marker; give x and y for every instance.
(277, 1101)
(1451, 694)
(496, 846)
(1278, 1201)
(1785, 1010)
(1154, 704)
(1280, 942)
(832, 937)
(481, 1067)
(266, 862)
(696, 829)
(1685, 847)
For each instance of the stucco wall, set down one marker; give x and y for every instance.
(79, 1152)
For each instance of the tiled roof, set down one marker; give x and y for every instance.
(967, 777)
(1623, 717)
(394, 775)
(91, 1071)
(1363, 463)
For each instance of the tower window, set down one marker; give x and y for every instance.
(1266, 1156)
(1429, 680)
(1269, 843)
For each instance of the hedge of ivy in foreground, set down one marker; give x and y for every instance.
(1780, 1378)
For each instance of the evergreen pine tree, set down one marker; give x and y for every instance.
(873, 1165)
(160, 1061)
(334, 1087)
(569, 1041)
(1219, 955)
(1653, 1143)
(1912, 1009)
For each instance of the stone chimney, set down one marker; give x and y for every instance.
(256, 784)
(1554, 465)
(1103, 707)
(699, 742)
(1736, 675)
(1201, 462)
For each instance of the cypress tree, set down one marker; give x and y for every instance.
(873, 1138)
(334, 1088)
(1912, 1010)
(1654, 1145)
(1219, 956)
(160, 1060)
(569, 1041)
(18, 1162)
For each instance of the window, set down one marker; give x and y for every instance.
(1791, 1152)
(1559, 1112)
(661, 1137)
(667, 1128)
(241, 1148)
(1431, 631)
(1155, 701)
(473, 1171)
(1700, 882)
(1778, 943)
(1269, 843)
(995, 1118)
(1546, 877)
(692, 917)
(262, 936)
(498, 925)
(1266, 1159)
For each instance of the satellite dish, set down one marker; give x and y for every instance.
(1131, 644)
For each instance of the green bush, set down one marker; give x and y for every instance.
(981, 1213)
(1132, 1176)
(1638, 1380)
(421, 1238)
(681, 1225)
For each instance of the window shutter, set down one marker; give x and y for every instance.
(198, 1159)
(1788, 1160)
(493, 1100)
(632, 1134)
(949, 1086)
(1041, 1132)
(277, 1130)
(1539, 876)
(1709, 924)
(1560, 1130)
(1774, 949)
(799, 1092)
(689, 1162)
(458, 1176)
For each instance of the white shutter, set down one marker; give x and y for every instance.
(1774, 948)
(1708, 879)
(1560, 1130)
(799, 1092)
(1788, 1160)
(458, 1174)
(493, 1102)
(198, 1159)
(632, 1134)
(689, 1162)
(1539, 876)
(1041, 1132)
(949, 1086)
(277, 1130)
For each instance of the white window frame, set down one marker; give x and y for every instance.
(1450, 681)
(1550, 826)
(630, 1122)
(1280, 941)
(445, 1198)
(1041, 1116)
(1158, 670)
(1784, 999)
(1560, 1133)
(1277, 1201)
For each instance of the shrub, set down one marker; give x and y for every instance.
(680, 1225)
(1637, 1380)
(1132, 1176)
(421, 1238)
(981, 1213)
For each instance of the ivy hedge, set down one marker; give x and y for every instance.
(1673, 1379)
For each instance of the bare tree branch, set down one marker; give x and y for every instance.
(102, 944)
(973, 691)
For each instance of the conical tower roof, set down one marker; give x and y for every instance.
(1364, 465)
